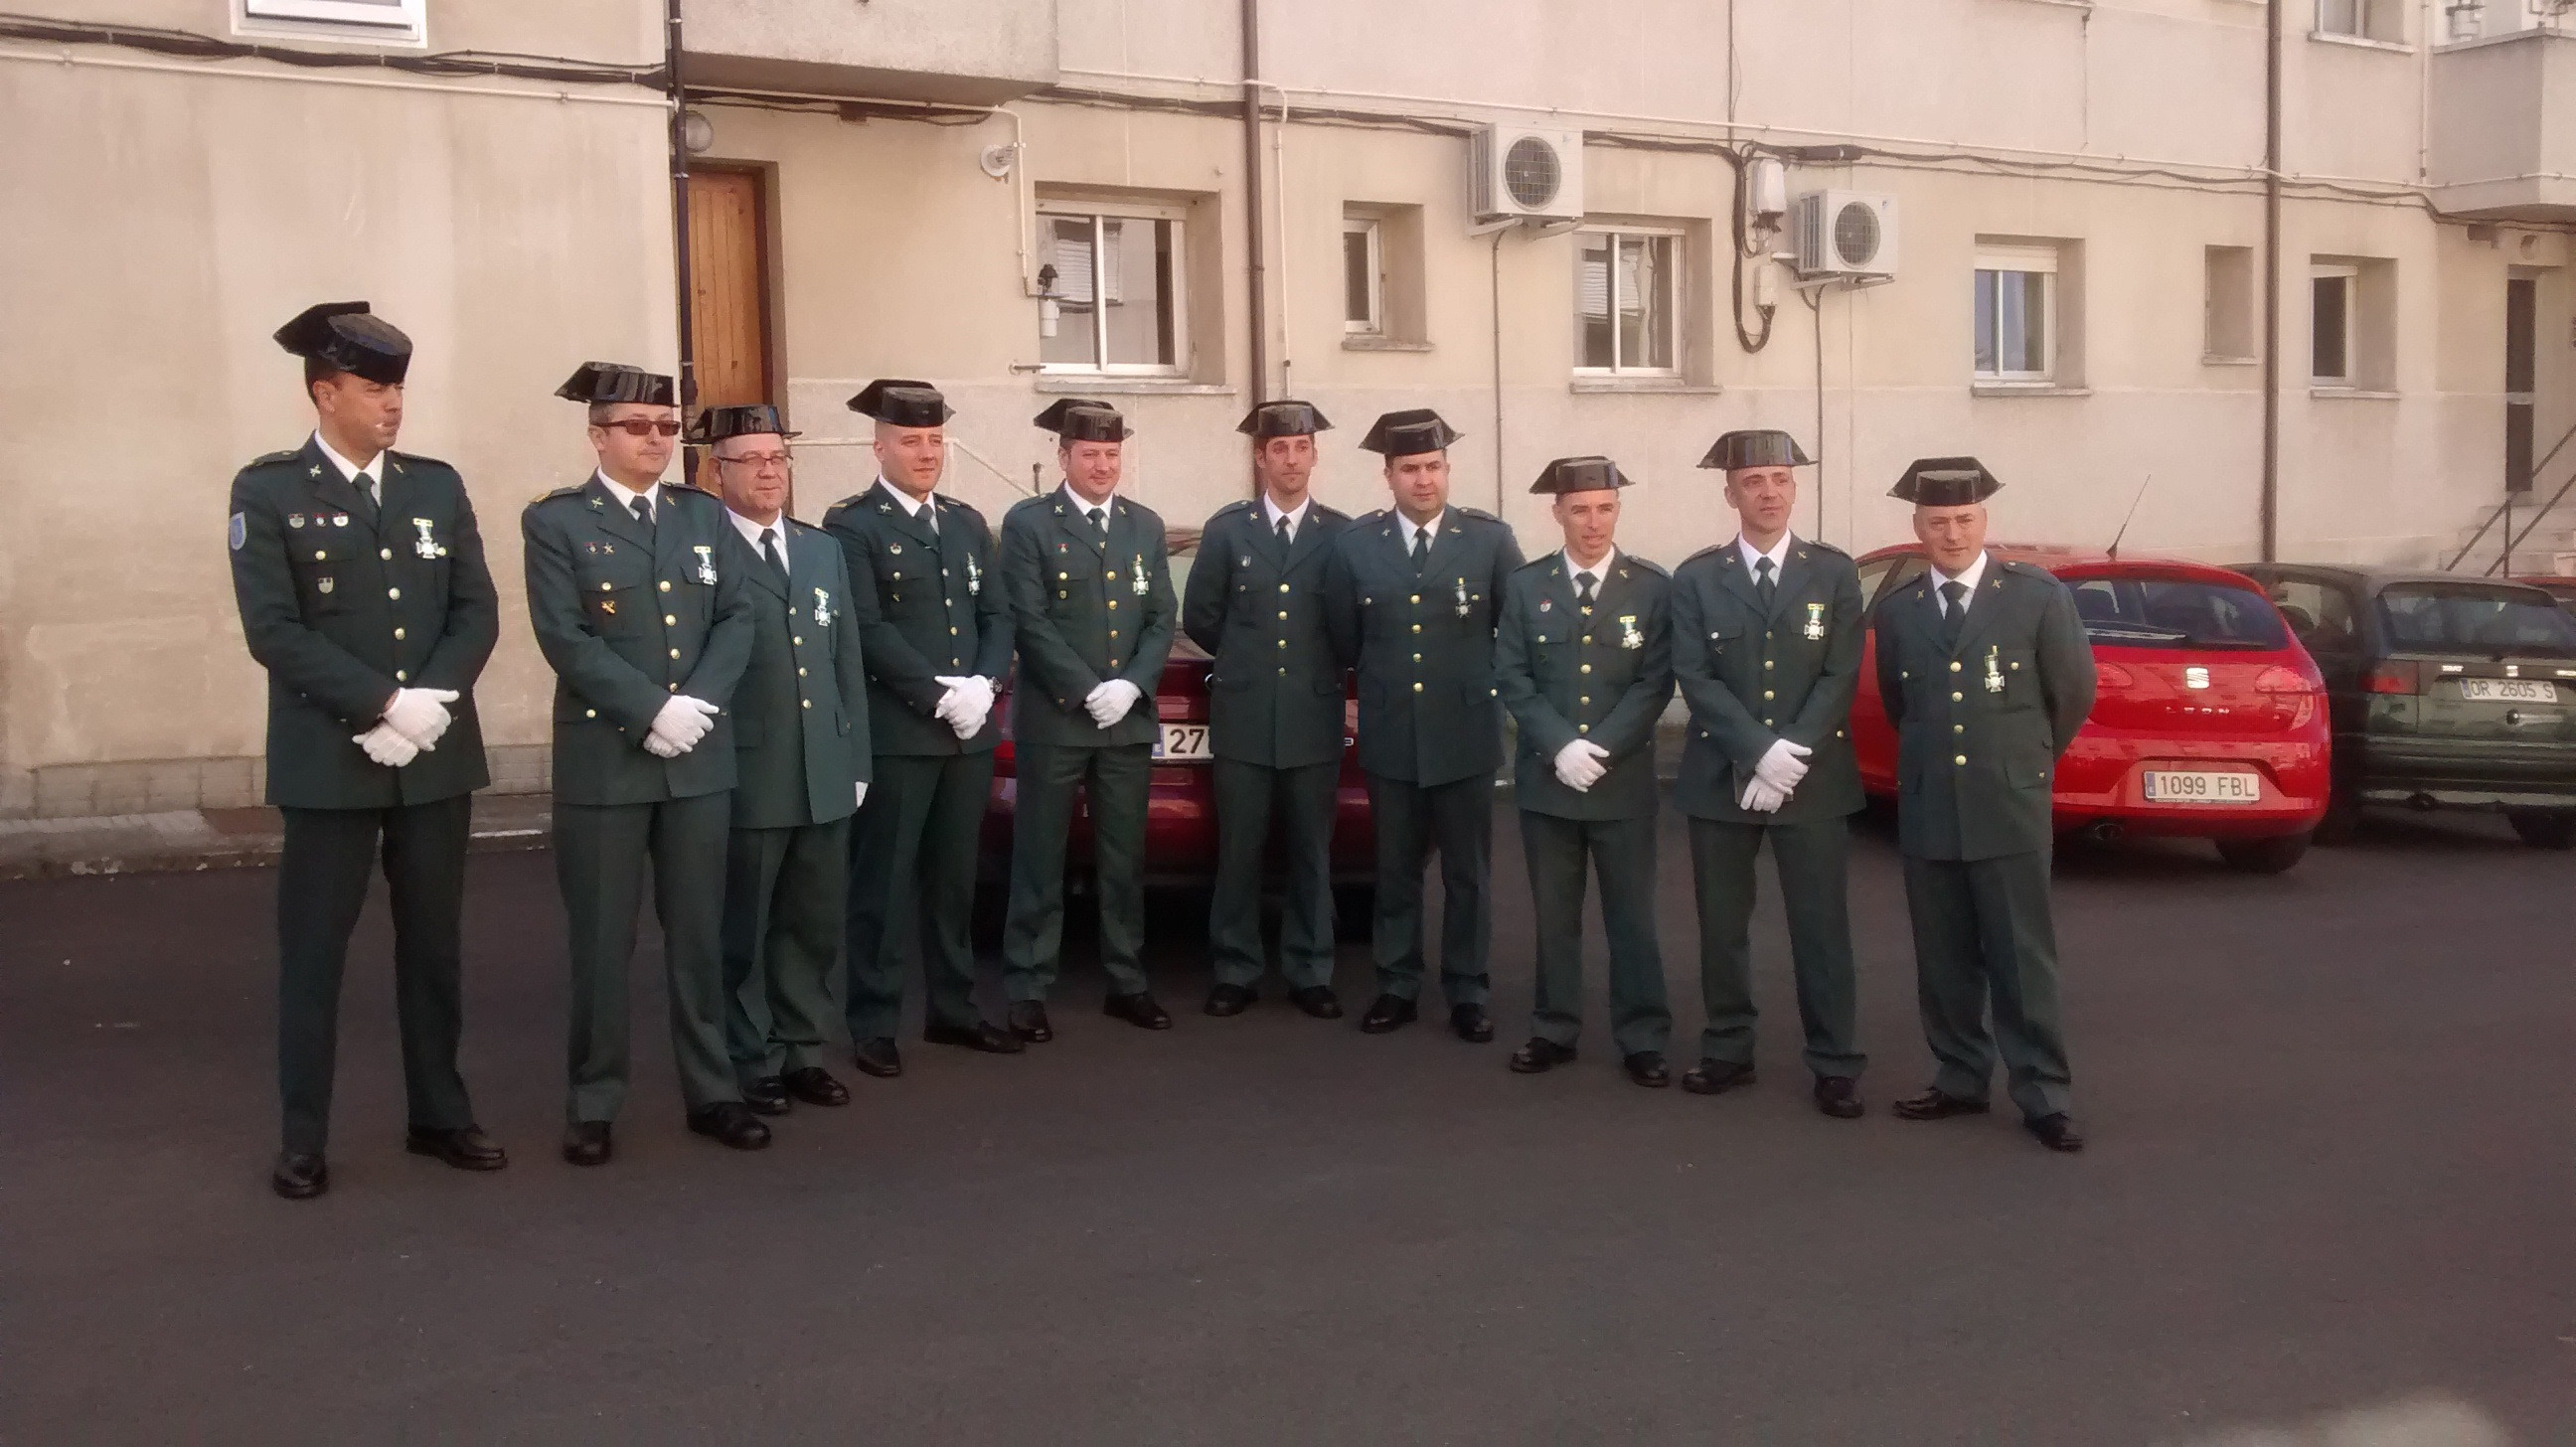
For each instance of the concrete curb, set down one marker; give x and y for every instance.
(188, 840)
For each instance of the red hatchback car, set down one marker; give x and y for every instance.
(1180, 813)
(2210, 721)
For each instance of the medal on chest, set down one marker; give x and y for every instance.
(1137, 584)
(1629, 637)
(424, 546)
(1815, 620)
(1994, 674)
(822, 607)
(1462, 597)
(706, 563)
(974, 578)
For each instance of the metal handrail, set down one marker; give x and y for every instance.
(2510, 541)
(2505, 510)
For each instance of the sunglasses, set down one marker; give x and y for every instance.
(643, 427)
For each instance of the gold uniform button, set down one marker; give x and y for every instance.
(1587, 668)
(602, 587)
(1113, 605)
(590, 713)
(394, 593)
(1283, 613)
(1113, 632)
(1413, 598)
(401, 677)
(1283, 587)
(670, 620)
(1587, 698)
(800, 642)
(1954, 666)
(326, 557)
(675, 653)
(1583, 728)
(1959, 758)
(666, 585)
(1284, 643)
(807, 702)
(952, 630)
(1766, 695)
(1060, 577)
(1766, 663)
(800, 673)
(398, 633)
(675, 688)
(1958, 728)
(385, 553)
(1417, 627)
(1417, 658)
(1417, 688)
(1956, 698)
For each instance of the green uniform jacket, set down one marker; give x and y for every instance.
(1275, 693)
(1423, 643)
(1752, 678)
(1084, 612)
(1980, 727)
(1603, 674)
(926, 605)
(628, 616)
(800, 721)
(341, 615)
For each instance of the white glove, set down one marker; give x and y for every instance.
(681, 723)
(966, 704)
(420, 714)
(1579, 764)
(1109, 703)
(1782, 766)
(658, 748)
(862, 800)
(386, 745)
(1761, 798)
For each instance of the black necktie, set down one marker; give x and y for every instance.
(1763, 586)
(1283, 529)
(644, 511)
(366, 487)
(1421, 548)
(1100, 521)
(769, 550)
(1955, 593)
(1583, 588)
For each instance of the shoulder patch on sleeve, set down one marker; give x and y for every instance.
(239, 531)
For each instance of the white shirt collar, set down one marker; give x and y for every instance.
(1109, 503)
(1296, 516)
(1779, 555)
(1600, 571)
(373, 472)
(1410, 527)
(751, 531)
(1974, 575)
(626, 496)
(927, 508)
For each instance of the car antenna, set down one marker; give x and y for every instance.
(2133, 513)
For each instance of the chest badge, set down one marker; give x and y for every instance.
(1629, 637)
(295, 519)
(425, 545)
(1462, 597)
(974, 578)
(339, 520)
(1141, 585)
(322, 585)
(895, 548)
(1545, 604)
(822, 607)
(1994, 674)
(1815, 620)
(706, 563)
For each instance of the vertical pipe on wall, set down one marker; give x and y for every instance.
(1257, 290)
(2271, 508)
(680, 200)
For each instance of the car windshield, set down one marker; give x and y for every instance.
(2176, 613)
(2469, 618)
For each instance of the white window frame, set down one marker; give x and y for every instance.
(1110, 288)
(1672, 300)
(2350, 275)
(400, 22)
(1372, 228)
(2036, 260)
(2363, 13)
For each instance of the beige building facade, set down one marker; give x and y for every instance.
(1023, 199)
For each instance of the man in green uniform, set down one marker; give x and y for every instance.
(1987, 676)
(1583, 658)
(359, 575)
(647, 630)
(936, 631)
(1767, 645)
(1411, 602)
(1255, 603)
(800, 733)
(1090, 589)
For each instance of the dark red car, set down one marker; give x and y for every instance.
(1180, 814)
(2210, 721)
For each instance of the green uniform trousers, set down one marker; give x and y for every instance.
(1622, 854)
(912, 877)
(1116, 777)
(321, 887)
(1813, 861)
(600, 852)
(782, 935)
(1456, 818)
(1981, 926)
(1247, 797)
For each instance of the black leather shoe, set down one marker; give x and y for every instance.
(1387, 1012)
(1029, 1022)
(299, 1175)
(814, 1085)
(731, 1123)
(1647, 1068)
(1138, 1010)
(1933, 1105)
(586, 1143)
(2057, 1132)
(877, 1056)
(1716, 1077)
(991, 1039)
(1471, 1023)
(1227, 1000)
(467, 1148)
(1540, 1056)
(1318, 1001)
(1839, 1096)
(767, 1096)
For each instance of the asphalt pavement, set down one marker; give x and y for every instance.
(2328, 1199)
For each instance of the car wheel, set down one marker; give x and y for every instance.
(2544, 828)
(2342, 820)
(2263, 856)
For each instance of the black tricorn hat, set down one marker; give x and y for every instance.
(1079, 419)
(901, 402)
(1945, 482)
(1579, 474)
(345, 335)
(1402, 434)
(718, 423)
(1284, 418)
(596, 382)
(1756, 447)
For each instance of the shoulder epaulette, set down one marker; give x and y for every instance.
(271, 459)
(1478, 514)
(1543, 560)
(570, 489)
(1321, 510)
(1707, 551)
(696, 492)
(1820, 543)
(809, 527)
(417, 460)
(1238, 505)
(1649, 564)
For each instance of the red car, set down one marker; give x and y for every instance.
(1180, 813)
(2210, 721)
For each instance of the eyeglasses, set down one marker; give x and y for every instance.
(641, 427)
(759, 461)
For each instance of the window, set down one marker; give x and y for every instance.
(2382, 20)
(2227, 323)
(1627, 302)
(2016, 313)
(1113, 279)
(2319, 613)
(2352, 325)
(2330, 297)
(1382, 281)
(1363, 276)
(2175, 613)
(2474, 618)
(400, 22)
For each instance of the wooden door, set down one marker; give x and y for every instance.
(728, 289)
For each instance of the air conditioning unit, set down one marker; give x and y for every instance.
(1846, 233)
(1518, 174)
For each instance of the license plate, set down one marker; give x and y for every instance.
(1184, 742)
(2508, 690)
(2202, 786)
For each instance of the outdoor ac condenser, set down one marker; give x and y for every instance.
(1518, 174)
(1846, 233)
